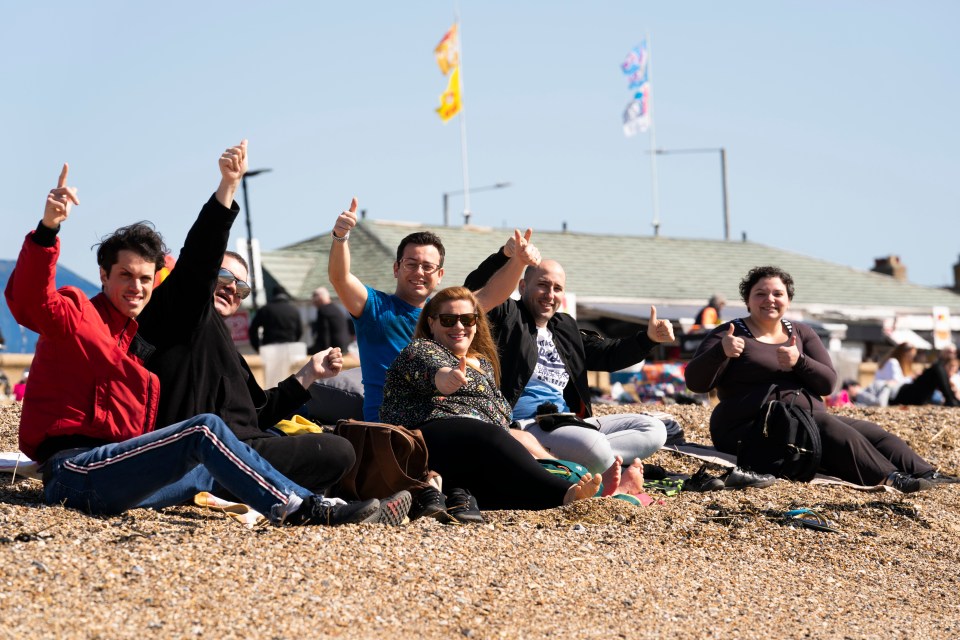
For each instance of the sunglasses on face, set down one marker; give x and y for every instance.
(225, 277)
(450, 319)
(428, 268)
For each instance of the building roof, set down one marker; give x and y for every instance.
(621, 269)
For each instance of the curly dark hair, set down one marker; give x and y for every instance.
(757, 274)
(139, 237)
(422, 238)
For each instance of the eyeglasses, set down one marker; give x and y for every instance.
(450, 319)
(225, 277)
(428, 268)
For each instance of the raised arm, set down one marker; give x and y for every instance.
(31, 292)
(521, 254)
(352, 292)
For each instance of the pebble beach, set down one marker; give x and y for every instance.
(724, 564)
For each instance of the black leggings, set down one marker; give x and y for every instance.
(490, 463)
(920, 391)
(857, 451)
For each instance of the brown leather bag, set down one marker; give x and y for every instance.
(390, 458)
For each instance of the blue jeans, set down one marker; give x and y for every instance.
(167, 467)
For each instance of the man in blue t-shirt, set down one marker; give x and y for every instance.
(385, 322)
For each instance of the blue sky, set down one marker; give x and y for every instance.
(837, 117)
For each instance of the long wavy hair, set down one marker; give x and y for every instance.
(904, 353)
(482, 344)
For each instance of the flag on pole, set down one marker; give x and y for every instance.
(450, 99)
(448, 51)
(636, 117)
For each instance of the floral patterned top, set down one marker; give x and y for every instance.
(411, 398)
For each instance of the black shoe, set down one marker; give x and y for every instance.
(318, 510)
(462, 507)
(740, 478)
(905, 483)
(702, 481)
(428, 503)
(393, 510)
(936, 477)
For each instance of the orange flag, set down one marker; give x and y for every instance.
(448, 51)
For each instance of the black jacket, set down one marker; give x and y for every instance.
(516, 334)
(198, 365)
(280, 320)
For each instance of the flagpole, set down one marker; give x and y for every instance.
(463, 129)
(654, 189)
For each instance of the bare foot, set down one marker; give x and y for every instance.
(611, 477)
(631, 480)
(586, 488)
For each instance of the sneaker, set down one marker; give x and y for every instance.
(393, 510)
(906, 483)
(429, 503)
(702, 481)
(462, 507)
(318, 510)
(936, 477)
(740, 478)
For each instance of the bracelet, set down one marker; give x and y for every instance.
(337, 238)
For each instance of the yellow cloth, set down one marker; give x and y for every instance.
(297, 425)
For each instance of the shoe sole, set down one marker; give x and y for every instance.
(394, 510)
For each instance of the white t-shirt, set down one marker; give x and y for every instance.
(548, 381)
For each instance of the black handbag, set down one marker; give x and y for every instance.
(784, 439)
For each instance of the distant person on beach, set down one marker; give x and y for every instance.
(90, 415)
(742, 358)
(331, 327)
(279, 320)
(936, 377)
(709, 316)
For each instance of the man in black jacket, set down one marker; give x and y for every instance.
(550, 357)
(199, 366)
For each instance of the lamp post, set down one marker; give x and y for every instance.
(246, 211)
(466, 214)
(723, 179)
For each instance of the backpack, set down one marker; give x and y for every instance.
(784, 439)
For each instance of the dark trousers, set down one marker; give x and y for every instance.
(487, 461)
(857, 451)
(920, 391)
(314, 461)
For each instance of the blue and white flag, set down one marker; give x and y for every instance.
(636, 117)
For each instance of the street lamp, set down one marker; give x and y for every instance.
(723, 179)
(466, 214)
(246, 210)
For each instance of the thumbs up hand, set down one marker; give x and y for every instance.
(449, 379)
(788, 355)
(732, 345)
(659, 330)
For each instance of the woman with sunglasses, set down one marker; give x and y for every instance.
(446, 384)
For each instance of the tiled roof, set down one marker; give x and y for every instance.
(614, 267)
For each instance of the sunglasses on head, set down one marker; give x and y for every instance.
(450, 319)
(225, 277)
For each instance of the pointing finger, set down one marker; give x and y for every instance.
(528, 234)
(517, 238)
(62, 181)
(353, 205)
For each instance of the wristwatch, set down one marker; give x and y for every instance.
(337, 238)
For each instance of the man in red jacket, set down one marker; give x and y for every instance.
(89, 417)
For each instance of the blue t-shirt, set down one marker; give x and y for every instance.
(384, 328)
